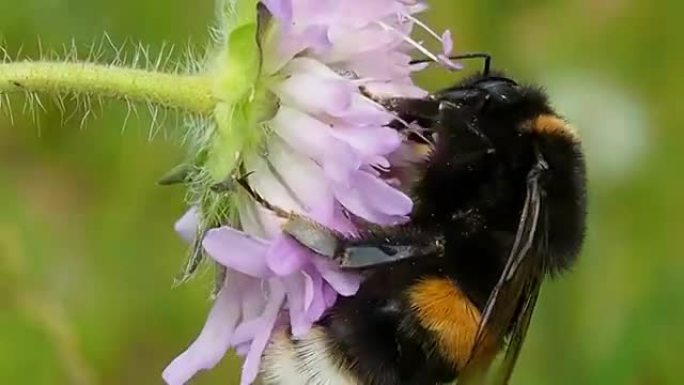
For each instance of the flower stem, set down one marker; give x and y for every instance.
(191, 93)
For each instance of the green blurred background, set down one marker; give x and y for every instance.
(88, 253)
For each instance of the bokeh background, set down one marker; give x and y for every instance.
(88, 253)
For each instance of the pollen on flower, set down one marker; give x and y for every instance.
(302, 139)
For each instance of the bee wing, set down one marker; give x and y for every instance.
(511, 303)
(519, 330)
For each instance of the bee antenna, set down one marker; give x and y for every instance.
(478, 55)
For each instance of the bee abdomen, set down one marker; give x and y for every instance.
(424, 340)
(441, 308)
(306, 360)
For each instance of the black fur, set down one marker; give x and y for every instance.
(470, 195)
(376, 335)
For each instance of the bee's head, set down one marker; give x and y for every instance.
(483, 129)
(485, 93)
(488, 91)
(498, 106)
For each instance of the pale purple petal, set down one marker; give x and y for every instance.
(304, 179)
(250, 368)
(253, 299)
(242, 349)
(448, 63)
(293, 42)
(388, 67)
(447, 43)
(359, 13)
(329, 295)
(417, 67)
(280, 9)
(315, 11)
(397, 88)
(188, 224)
(318, 39)
(349, 197)
(316, 95)
(307, 65)
(237, 250)
(308, 290)
(341, 221)
(348, 42)
(369, 140)
(381, 196)
(378, 161)
(364, 112)
(374, 200)
(315, 311)
(316, 140)
(213, 341)
(416, 7)
(345, 283)
(254, 302)
(447, 48)
(338, 172)
(295, 288)
(371, 170)
(303, 132)
(265, 183)
(316, 89)
(286, 256)
(256, 220)
(246, 331)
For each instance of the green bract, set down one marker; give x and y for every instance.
(243, 102)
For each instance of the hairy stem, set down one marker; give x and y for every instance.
(191, 93)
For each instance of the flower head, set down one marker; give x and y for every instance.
(300, 133)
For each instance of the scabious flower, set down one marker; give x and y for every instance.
(308, 142)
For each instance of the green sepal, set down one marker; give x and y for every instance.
(177, 175)
(238, 68)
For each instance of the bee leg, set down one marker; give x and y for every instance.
(386, 245)
(365, 254)
(379, 246)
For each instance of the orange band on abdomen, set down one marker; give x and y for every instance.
(443, 309)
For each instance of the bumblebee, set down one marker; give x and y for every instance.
(500, 204)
